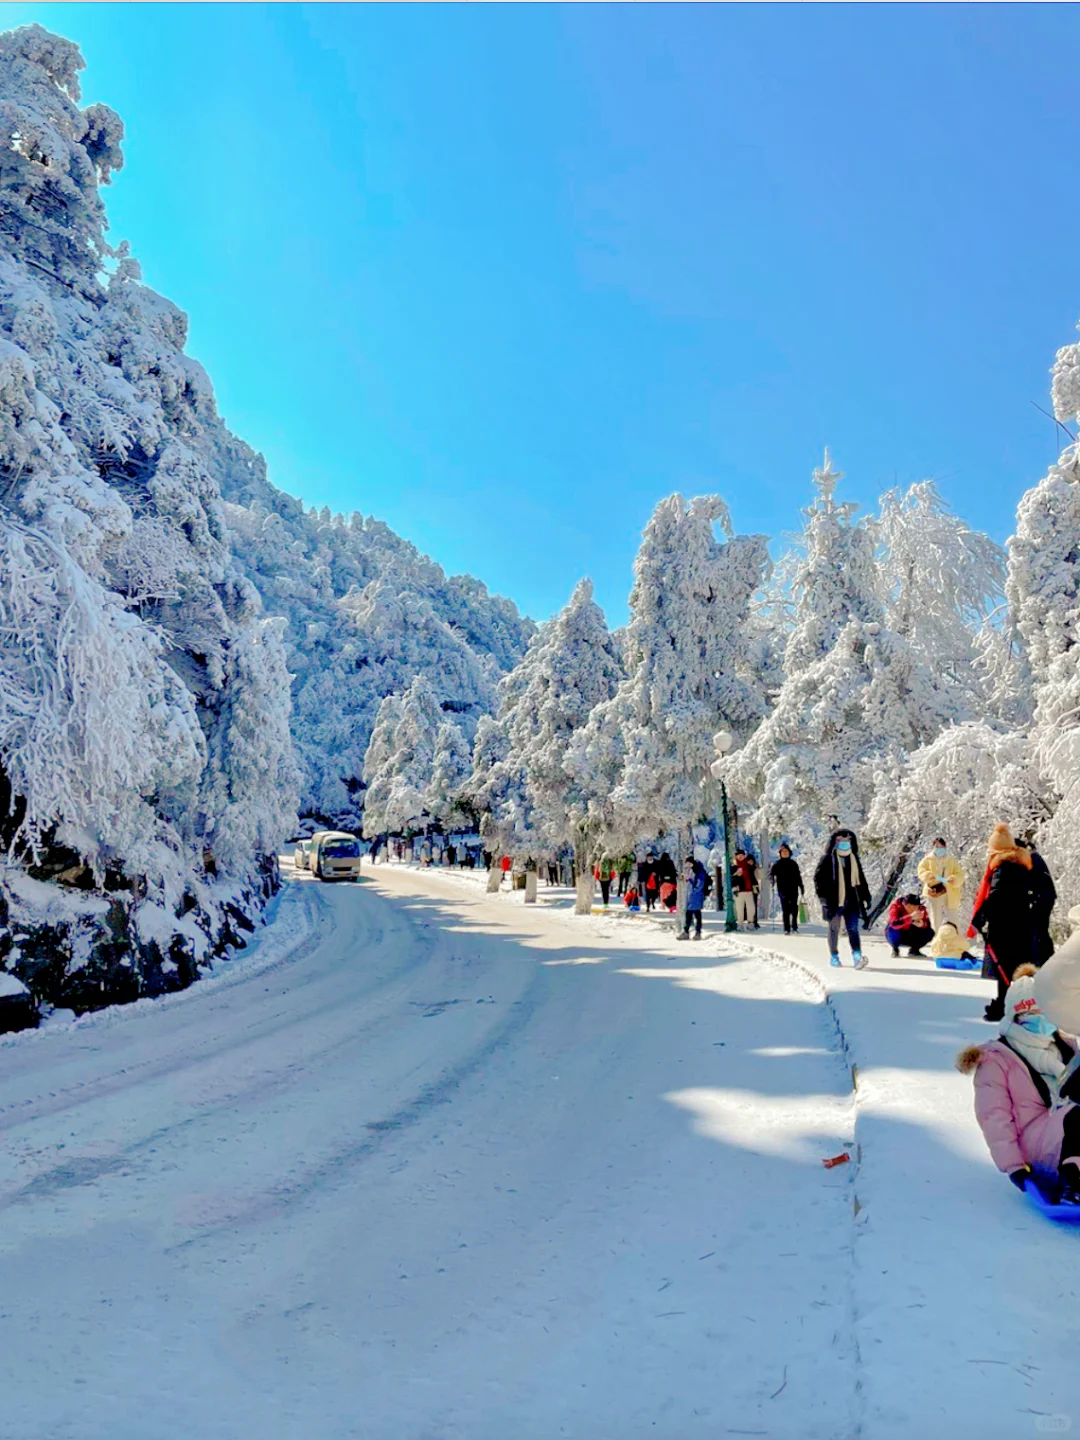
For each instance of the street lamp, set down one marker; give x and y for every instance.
(722, 743)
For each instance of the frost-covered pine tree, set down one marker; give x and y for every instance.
(644, 757)
(942, 584)
(855, 692)
(571, 666)
(400, 760)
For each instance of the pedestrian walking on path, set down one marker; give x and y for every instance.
(788, 882)
(1006, 913)
(841, 887)
(744, 881)
(1027, 1083)
(942, 879)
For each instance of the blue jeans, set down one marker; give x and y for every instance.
(851, 922)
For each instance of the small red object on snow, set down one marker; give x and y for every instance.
(836, 1160)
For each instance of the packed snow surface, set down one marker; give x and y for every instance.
(455, 1167)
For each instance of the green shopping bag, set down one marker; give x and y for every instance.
(804, 914)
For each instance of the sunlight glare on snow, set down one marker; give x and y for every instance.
(793, 1127)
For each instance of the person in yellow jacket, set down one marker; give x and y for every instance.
(942, 880)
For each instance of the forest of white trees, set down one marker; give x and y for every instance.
(191, 658)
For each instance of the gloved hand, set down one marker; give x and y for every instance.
(1019, 1177)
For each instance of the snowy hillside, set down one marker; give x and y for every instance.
(155, 594)
(365, 614)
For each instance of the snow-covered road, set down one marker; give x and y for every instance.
(459, 1169)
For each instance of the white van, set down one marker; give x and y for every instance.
(335, 855)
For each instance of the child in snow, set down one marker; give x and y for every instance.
(632, 900)
(1026, 1088)
(948, 944)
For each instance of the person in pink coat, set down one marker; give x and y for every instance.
(1027, 1083)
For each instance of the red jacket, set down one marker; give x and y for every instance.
(900, 919)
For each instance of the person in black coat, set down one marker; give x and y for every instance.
(1011, 912)
(788, 883)
(647, 883)
(841, 887)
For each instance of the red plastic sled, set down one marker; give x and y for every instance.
(1063, 1214)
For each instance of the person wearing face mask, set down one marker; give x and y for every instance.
(840, 885)
(942, 881)
(1027, 1083)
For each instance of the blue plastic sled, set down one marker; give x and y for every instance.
(945, 963)
(1064, 1214)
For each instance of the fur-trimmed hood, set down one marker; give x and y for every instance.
(967, 1062)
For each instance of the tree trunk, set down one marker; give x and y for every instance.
(765, 890)
(530, 887)
(892, 879)
(494, 879)
(585, 889)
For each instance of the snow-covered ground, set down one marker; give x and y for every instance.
(449, 1166)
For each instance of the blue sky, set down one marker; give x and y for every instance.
(506, 276)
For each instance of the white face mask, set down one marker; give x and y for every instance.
(940, 851)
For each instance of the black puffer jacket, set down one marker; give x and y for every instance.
(787, 877)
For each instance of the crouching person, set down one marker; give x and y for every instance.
(1027, 1083)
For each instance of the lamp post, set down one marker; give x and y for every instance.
(722, 743)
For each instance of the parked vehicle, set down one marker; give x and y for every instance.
(302, 853)
(335, 855)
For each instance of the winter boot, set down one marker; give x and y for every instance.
(1070, 1195)
(683, 935)
(834, 961)
(916, 955)
(896, 952)
(859, 960)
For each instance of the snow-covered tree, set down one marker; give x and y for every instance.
(959, 786)
(571, 666)
(144, 746)
(1044, 595)
(365, 613)
(855, 694)
(450, 768)
(830, 573)
(400, 760)
(644, 757)
(940, 582)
